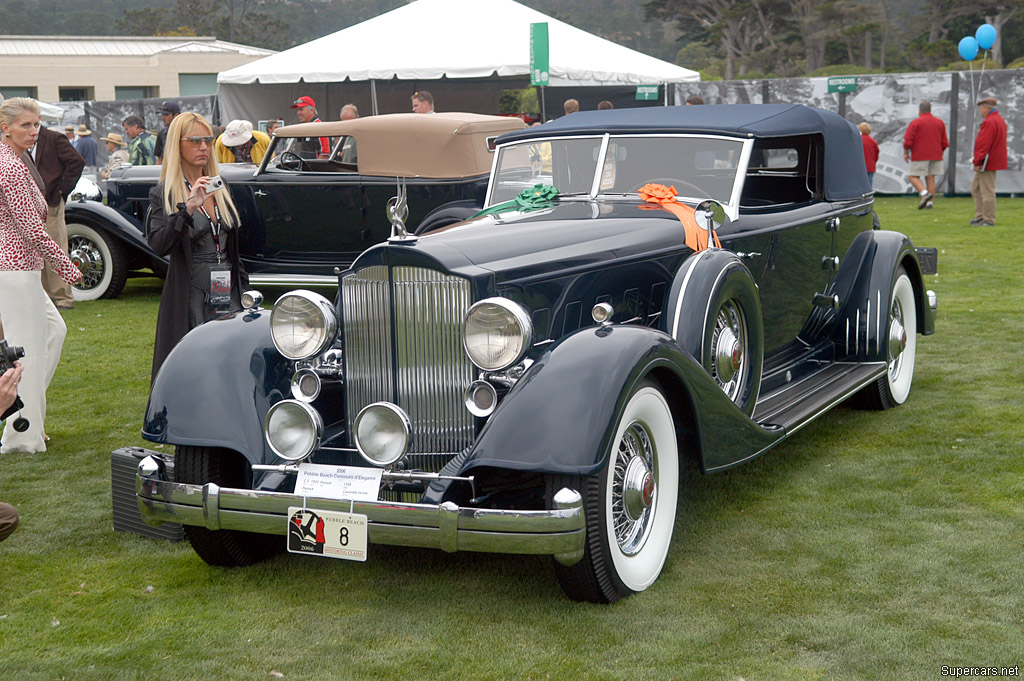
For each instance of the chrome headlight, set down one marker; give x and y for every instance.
(303, 324)
(496, 333)
(382, 432)
(293, 429)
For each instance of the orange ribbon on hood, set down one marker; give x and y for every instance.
(665, 197)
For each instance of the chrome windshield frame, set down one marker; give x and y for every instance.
(731, 206)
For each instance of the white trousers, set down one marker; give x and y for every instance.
(32, 322)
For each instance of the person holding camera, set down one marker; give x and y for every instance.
(9, 381)
(193, 222)
(30, 318)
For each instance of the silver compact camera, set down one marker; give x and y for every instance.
(216, 182)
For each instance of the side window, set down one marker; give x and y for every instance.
(784, 171)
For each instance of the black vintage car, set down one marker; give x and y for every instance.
(644, 286)
(302, 216)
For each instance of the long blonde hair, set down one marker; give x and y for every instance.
(171, 175)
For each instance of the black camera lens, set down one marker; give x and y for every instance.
(12, 353)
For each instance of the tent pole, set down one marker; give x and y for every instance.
(373, 96)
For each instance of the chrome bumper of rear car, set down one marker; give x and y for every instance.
(559, 532)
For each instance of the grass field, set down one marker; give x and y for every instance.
(871, 545)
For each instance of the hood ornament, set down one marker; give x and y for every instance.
(398, 213)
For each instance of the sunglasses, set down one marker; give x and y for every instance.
(198, 140)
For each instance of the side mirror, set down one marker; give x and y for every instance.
(711, 216)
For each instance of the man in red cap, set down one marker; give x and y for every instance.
(305, 111)
(989, 156)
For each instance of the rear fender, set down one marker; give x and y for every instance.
(864, 285)
(448, 214)
(216, 386)
(561, 416)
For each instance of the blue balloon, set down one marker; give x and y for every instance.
(986, 36)
(968, 48)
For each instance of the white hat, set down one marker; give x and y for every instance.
(237, 132)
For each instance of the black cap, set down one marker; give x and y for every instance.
(170, 107)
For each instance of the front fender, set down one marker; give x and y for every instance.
(864, 286)
(112, 222)
(215, 387)
(561, 416)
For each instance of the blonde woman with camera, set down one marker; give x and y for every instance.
(194, 222)
(30, 318)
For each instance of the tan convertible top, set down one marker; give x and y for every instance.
(416, 145)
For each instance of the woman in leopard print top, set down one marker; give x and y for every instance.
(30, 319)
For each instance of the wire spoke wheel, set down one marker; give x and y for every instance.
(630, 505)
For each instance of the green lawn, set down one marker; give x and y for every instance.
(868, 546)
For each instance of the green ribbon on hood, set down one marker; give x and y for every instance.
(536, 197)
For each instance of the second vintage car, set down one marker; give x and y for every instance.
(303, 216)
(644, 287)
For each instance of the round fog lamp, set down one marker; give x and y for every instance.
(293, 429)
(251, 299)
(382, 433)
(305, 385)
(481, 398)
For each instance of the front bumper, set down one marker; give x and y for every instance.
(559, 532)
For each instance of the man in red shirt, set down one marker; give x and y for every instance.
(305, 111)
(923, 146)
(989, 156)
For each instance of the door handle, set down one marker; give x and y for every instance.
(259, 192)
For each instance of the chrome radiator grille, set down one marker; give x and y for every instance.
(403, 344)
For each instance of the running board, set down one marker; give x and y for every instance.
(796, 405)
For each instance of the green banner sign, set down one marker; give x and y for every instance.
(647, 93)
(842, 84)
(539, 61)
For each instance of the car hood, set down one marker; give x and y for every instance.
(566, 236)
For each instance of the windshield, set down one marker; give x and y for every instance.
(699, 167)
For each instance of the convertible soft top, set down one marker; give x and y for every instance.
(443, 145)
(845, 173)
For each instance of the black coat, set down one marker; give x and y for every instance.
(169, 236)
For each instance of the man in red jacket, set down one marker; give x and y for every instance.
(923, 146)
(989, 156)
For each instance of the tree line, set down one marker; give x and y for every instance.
(720, 38)
(785, 38)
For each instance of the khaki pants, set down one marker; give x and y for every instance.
(983, 189)
(8, 520)
(56, 288)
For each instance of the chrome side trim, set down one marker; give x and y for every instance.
(314, 280)
(559, 531)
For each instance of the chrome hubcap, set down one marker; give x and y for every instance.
(88, 259)
(638, 488)
(633, 488)
(897, 339)
(728, 349)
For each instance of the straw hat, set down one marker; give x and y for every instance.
(113, 138)
(82, 130)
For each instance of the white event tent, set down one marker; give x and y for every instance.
(462, 51)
